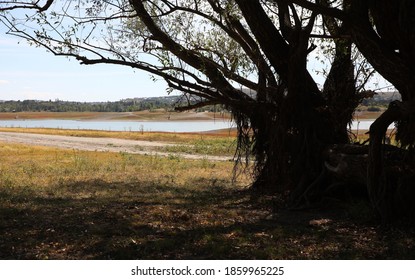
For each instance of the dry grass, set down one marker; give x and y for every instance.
(64, 204)
(216, 144)
(50, 196)
(148, 136)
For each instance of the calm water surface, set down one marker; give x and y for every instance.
(165, 126)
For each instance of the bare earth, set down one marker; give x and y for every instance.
(99, 144)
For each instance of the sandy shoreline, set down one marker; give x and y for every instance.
(100, 144)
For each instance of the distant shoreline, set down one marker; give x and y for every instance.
(157, 115)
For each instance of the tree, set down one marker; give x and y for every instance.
(251, 57)
(384, 33)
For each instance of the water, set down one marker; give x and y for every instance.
(164, 126)
(365, 125)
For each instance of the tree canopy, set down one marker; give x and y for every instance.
(251, 56)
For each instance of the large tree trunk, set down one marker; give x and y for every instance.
(340, 90)
(289, 136)
(387, 183)
(379, 192)
(390, 49)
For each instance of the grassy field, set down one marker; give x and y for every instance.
(66, 204)
(72, 204)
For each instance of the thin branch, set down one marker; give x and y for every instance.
(196, 106)
(197, 61)
(25, 5)
(327, 36)
(320, 9)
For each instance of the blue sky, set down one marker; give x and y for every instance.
(27, 72)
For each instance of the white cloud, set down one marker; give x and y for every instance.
(4, 82)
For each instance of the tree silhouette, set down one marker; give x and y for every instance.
(251, 57)
(384, 33)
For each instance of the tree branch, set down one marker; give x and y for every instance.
(30, 6)
(197, 61)
(195, 106)
(320, 9)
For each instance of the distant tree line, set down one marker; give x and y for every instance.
(380, 101)
(126, 105)
(140, 104)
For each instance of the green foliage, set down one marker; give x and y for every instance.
(127, 105)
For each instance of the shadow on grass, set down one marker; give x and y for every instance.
(94, 220)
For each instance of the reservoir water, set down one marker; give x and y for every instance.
(163, 126)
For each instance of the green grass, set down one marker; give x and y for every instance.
(215, 146)
(64, 204)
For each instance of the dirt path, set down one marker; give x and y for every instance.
(99, 144)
